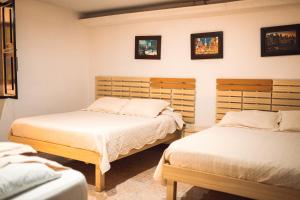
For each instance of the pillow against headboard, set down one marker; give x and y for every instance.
(251, 119)
(290, 120)
(108, 104)
(144, 107)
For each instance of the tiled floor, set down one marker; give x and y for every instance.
(131, 179)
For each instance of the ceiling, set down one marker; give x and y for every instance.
(89, 8)
(104, 5)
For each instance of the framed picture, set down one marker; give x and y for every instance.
(280, 40)
(207, 45)
(147, 47)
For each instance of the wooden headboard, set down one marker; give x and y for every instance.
(256, 94)
(180, 92)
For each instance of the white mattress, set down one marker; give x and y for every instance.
(71, 185)
(250, 154)
(109, 134)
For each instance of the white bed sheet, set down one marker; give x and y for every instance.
(251, 154)
(70, 186)
(109, 134)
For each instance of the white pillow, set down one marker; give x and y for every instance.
(144, 107)
(16, 178)
(290, 120)
(108, 104)
(251, 119)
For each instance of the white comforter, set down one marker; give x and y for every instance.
(250, 154)
(109, 134)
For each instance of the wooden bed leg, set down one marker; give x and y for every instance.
(171, 190)
(99, 179)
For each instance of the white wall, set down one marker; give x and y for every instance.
(112, 51)
(53, 63)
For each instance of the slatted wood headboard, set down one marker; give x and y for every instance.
(180, 92)
(256, 94)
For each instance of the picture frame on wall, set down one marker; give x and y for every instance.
(148, 47)
(280, 40)
(207, 45)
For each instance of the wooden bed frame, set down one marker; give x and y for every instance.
(242, 94)
(180, 92)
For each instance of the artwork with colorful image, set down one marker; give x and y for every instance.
(207, 45)
(280, 40)
(147, 47)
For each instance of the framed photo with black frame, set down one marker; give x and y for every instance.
(207, 45)
(148, 47)
(280, 40)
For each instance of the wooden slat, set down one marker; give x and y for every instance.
(225, 110)
(185, 91)
(161, 91)
(266, 88)
(229, 93)
(256, 107)
(160, 96)
(257, 94)
(285, 89)
(145, 90)
(132, 79)
(229, 99)
(174, 80)
(244, 81)
(121, 94)
(103, 78)
(281, 95)
(286, 102)
(120, 88)
(139, 94)
(286, 82)
(263, 85)
(173, 85)
(183, 108)
(229, 105)
(103, 92)
(277, 108)
(182, 102)
(257, 100)
(184, 97)
(99, 83)
(103, 87)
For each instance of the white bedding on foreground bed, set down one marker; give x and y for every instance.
(33, 178)
(71, 185)
(109, 134)
(251, 154)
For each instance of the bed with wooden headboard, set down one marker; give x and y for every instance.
(256, 94)
(180, 92)
(237, 95)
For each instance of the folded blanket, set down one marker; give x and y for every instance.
(30, 159)
(11, 148)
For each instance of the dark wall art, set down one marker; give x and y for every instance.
(280, 40)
